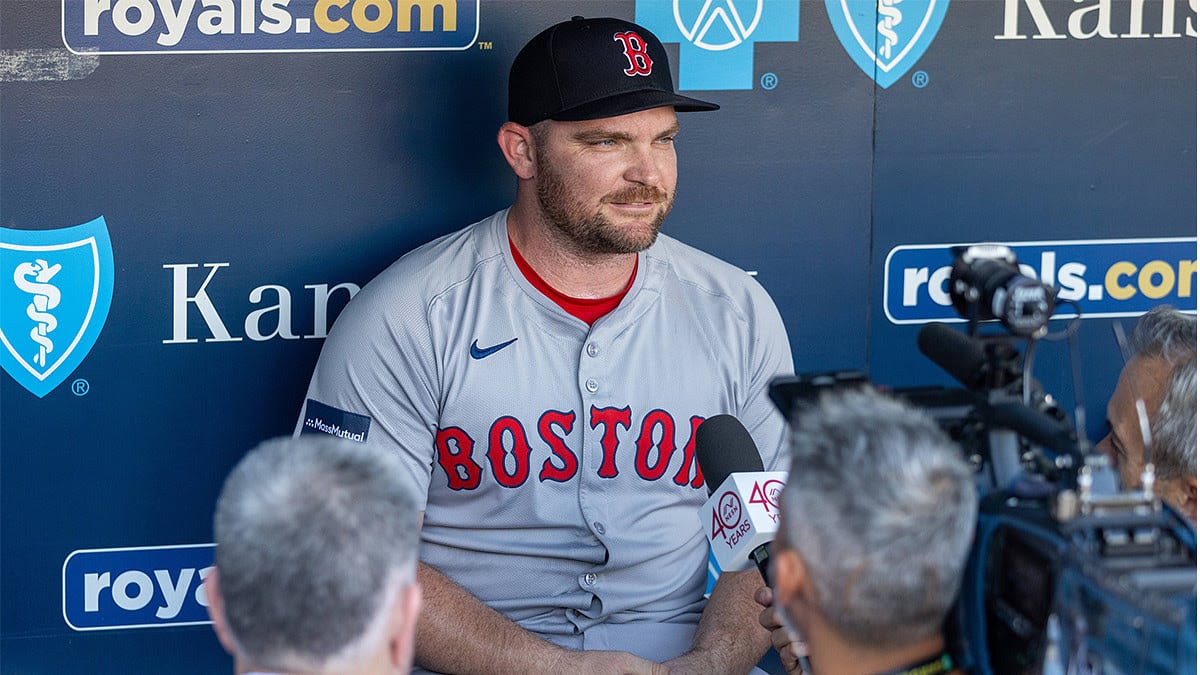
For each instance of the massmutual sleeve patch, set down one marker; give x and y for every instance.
(324, 419)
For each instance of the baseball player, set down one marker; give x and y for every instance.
(542, 373)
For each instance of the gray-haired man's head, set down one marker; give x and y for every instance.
(1161, 373)
(878, 517)
(316, 545)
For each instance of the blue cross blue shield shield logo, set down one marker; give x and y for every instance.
(886, 37)
(55, 290)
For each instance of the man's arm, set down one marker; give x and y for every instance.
(729, 638)
(458, 633)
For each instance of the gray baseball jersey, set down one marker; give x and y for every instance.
(557, 460)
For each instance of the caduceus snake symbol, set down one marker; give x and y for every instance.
(891, 18)
(45, 298)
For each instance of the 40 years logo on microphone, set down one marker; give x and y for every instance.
(766, 496)
(727, 521)
(55, 290)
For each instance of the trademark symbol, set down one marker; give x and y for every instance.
(920, 79)
(769, 81)
(485, 45)
(80, 387)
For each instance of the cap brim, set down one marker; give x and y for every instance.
(631, 102)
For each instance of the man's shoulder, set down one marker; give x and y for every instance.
(446, 260)
(432, 268)
(404, 290)
(704, 271)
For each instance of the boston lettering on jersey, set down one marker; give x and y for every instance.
(507, 435)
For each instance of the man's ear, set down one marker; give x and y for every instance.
(791, 578)
(1180, 493)
(216, 611)
(516, 144)
(1187, 486)
(402, 624)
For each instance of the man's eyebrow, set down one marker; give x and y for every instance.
(592, 135)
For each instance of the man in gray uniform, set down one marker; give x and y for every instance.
(543, 372)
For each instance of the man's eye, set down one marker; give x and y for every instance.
(1108, 447)
(1117, 453)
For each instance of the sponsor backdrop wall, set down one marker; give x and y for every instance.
(191, 191)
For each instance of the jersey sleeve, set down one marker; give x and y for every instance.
(769, 357)
(374, 382)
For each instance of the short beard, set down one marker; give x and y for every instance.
(593, 233)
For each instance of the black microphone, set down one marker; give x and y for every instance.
(724, 446)
(733, 472)
(1052, 433)
(743, 506)
(954, 352)
(966, 361)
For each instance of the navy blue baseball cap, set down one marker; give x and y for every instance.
(586, 69)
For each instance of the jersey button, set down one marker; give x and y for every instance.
(599, 527)
(589, 579)
(593, 349)
(592, 385)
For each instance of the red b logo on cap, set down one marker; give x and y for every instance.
(640, 62)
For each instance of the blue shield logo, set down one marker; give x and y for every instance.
(55, 290)
(886, 37)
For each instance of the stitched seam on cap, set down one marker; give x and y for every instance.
(554, 71)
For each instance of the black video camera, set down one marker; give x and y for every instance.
(1068, 573)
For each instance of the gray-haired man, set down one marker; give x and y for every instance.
(315, 562)
(1162, 373)
(877, 519)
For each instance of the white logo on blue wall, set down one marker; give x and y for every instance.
(1096, 278)
(886, 38)
(137, 587)
(55, 290)
(190, 27)
(717, 37)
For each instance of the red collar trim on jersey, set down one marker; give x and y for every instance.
(587, 310)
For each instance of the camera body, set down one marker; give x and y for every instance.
(1108, 591)
(1068, 573)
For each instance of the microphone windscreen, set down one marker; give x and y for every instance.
(724, 446)
(1038, 427)
(954, 352)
